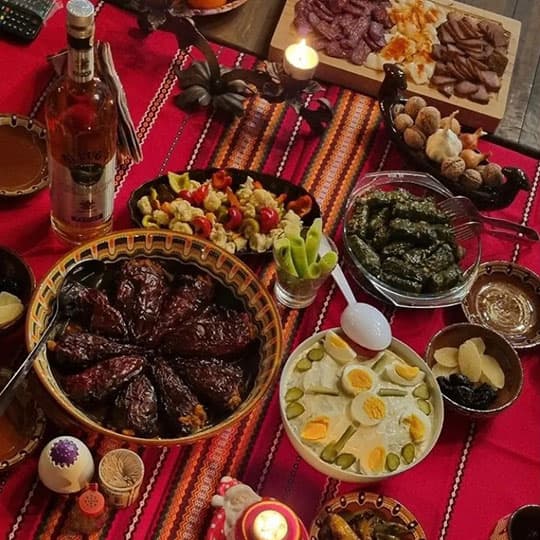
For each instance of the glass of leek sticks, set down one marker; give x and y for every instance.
(300, 270)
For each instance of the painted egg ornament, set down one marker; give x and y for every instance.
(65, 465)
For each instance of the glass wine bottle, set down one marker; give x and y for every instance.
(81, 118)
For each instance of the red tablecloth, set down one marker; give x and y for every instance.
(477, 473)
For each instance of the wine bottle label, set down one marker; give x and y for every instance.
(81, 64)
(82, 195)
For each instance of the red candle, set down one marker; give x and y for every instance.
(269, 520)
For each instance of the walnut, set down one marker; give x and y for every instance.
(428, 120)
(403, 121)
(414, 138)
(413, 105)
(471, 180)
(492, 175)
(452, 168)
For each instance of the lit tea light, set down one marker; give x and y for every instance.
(270, 525)
(300, 61)
(269, 519)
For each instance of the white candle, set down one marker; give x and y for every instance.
(300, 61)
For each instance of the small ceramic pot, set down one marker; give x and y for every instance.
(524, 523)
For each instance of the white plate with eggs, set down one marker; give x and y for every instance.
(359, 419)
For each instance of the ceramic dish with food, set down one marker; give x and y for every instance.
(358, 419)
(490, 188)
(17, 283)
(240, 211)
(506, 298)
(114, 368)
(405, 246)
(478, 371)
(365, 516)
(23, 147)
(22, 425)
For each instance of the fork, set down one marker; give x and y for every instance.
(462, 210)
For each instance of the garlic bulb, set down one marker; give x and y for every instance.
(452, 123)
(444, 143)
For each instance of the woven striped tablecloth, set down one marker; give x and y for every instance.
(477, 473)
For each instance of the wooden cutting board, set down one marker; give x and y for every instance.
(367, 81)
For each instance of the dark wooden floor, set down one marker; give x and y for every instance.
(251, 26)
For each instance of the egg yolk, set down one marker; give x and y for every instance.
(360, 379)
(376, 459)
(316, 429)
(417, 429)
(336, 341)
(374, 408)
(406, 371)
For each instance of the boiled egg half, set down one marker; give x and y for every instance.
(338, 348)
(404, 374)
(356, 378)
(418, 425)
(368, 409)
(373, 457)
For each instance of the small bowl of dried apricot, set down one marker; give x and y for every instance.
(478, 371)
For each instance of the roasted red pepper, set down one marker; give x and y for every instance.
(186, 195)
(234, 220)
(198, 196)
(269, 219)
(202, 226)
(301, 206)
(221, 180)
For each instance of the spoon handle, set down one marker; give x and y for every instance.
(8, 392)
(337, 274)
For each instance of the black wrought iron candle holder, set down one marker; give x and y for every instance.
(206, 83)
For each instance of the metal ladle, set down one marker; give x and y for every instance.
(88, 269)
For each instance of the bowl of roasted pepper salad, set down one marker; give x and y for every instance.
(407, 248)
(171, 340)
(238, 210)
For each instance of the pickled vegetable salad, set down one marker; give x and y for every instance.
(367, 416)
(249, 218)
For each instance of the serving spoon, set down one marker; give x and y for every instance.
(363, 323)
(89, 272)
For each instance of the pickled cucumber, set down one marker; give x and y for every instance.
(345, 460)
(408, 452)
(293, 394)
(304, 364)
(294, 409)
(316, 354)
(424, 406)
(392, 462)
(421, 391)
(388, 392)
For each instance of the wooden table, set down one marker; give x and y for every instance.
(251, 26)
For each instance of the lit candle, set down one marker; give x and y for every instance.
(300, 61)
(269, 519)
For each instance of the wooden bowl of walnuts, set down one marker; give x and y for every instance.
(439, 145)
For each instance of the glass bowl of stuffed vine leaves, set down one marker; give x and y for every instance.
(407, 249)
(170, 341)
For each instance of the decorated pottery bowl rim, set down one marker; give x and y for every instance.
(189, 249)
(34, 126)
(34, 438)
(370, 500)
(509, 268)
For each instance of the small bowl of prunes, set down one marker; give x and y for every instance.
(478, 371)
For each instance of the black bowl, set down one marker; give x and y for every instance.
(486, 198)
(17, 278)
(271, 183)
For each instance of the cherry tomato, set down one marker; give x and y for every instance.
(186, 195)
(202, 226)
(221, 180)
(234, 220)
(198, 196)
(269, 219)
